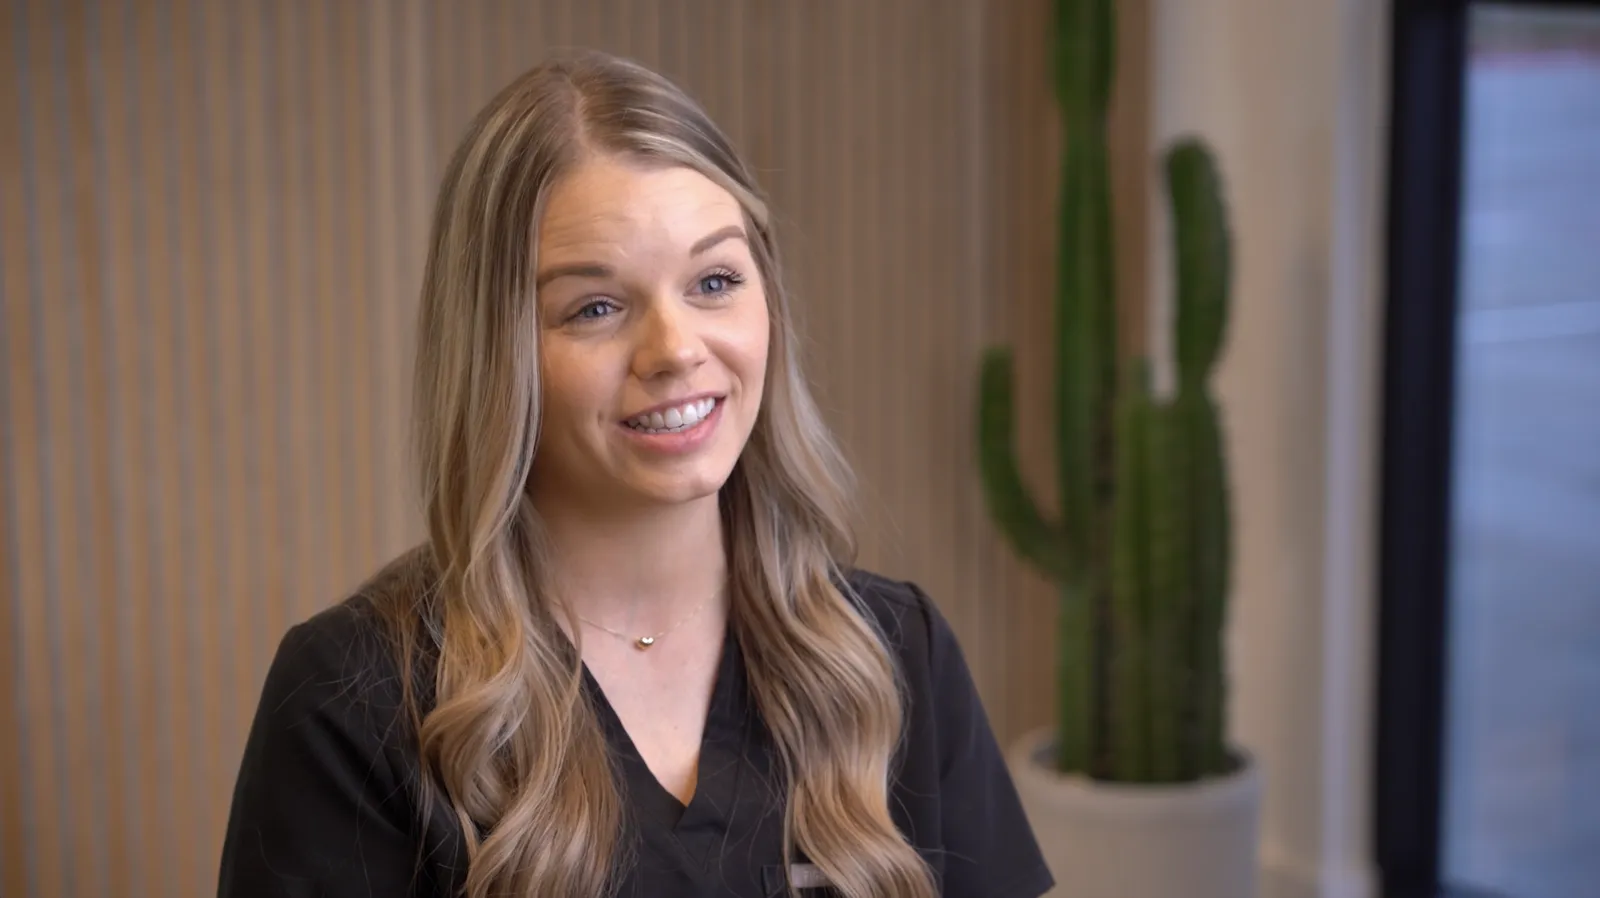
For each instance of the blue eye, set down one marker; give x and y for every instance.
(719, 282)
(595, 310)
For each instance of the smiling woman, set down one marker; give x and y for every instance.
(653, 335)
(633, 656)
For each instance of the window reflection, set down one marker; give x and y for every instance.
(1522, 814)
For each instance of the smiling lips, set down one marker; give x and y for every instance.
(675, 419)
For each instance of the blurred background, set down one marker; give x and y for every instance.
(212, 219)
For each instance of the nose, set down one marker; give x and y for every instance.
(669, 344)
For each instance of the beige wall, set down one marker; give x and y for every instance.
(211, 223)
(1294, 96)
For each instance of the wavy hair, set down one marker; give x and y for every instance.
(508, 741)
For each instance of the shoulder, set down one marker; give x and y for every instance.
(944, 709)
(341, 642)
(344, 657)
(953, 793)
(904, 613)
(323, 801)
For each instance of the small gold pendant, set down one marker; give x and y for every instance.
(646, 642)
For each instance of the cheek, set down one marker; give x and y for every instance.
(754, 344)
(566, 390)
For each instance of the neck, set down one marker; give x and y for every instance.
(643, 568)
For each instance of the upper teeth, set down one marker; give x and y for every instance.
(687, 415)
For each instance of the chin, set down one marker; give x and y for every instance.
(691, 477)
(688, 488)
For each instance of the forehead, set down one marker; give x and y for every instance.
(608, 204)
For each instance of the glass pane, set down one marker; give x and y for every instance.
(1522, 814)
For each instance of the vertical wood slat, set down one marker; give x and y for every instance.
(163, 603)
(196, 553)
(14, 839)
(125, 625)
(295, 359)
(89, 532)
(266, 589)
(209, 277)
(372, 111)
(321, 327)
(34, 847)
(420, 165)
(966, 83)
(16, 430)
(353, 291)
(53, 322)
(215, 86)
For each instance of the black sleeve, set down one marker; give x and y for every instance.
(318, 809)
(990, 849)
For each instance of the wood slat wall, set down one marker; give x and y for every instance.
(211, 228)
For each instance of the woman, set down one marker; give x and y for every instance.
(632, 657)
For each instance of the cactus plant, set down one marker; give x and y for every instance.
(1141, 549)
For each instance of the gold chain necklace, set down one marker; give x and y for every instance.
(644, 642)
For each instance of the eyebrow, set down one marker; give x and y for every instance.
(731, 232)
(597, 270)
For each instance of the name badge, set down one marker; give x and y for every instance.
(804, 876)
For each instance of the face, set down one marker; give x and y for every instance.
(653, 337)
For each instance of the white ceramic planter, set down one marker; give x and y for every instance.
(1113, 840)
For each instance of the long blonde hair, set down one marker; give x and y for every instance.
(506, 736)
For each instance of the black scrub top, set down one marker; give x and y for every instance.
(326, 799)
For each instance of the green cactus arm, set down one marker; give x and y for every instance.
(1202, 258)
(1210, 538)
(1165, 461)
(1085, 60)
(1085, 354)
(1128, 687)
(1035, 539)
(1078, 650)
(1085, 376)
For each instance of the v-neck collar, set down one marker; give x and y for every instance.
(718, 769)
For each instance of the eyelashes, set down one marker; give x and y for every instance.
(719, 283)
(731, 278)
(583, 314)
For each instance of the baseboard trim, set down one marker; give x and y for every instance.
(1285, 879)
